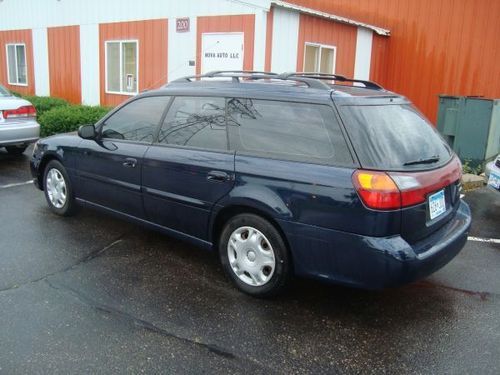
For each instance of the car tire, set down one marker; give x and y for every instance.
(58, 190)
(16, 150)
(254, 255)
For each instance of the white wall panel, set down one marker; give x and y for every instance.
(89, 64)
(285, 40)
(181, 50)
(363, 57)
(41, 61)
(259, 47)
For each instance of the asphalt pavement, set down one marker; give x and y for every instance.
(93, 294)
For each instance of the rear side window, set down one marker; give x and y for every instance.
(285, 130)
(394, 137)
(195, 122)
(137, 121)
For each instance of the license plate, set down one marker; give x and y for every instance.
(494, 180)
(437, 205)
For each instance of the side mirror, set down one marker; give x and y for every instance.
(87, 132)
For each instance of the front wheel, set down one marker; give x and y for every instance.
(254, 255)
(58, 189)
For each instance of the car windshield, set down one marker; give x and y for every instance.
(394, 137)
(4, 91)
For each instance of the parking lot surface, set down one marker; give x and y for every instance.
(93, 294)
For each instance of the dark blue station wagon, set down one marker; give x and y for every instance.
(292, 174)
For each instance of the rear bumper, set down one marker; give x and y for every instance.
(19, 133)
(374, 262)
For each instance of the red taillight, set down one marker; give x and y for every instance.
(377, 190)
(24, 111)
(394, 190)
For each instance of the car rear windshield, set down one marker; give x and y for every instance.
(4, 91)
(394, 137)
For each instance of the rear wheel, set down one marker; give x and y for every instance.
(58, 189)
(254, 255)
(15, 150)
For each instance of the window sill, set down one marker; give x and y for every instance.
(121, 93)
(17, 84)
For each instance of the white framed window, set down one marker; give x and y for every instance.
(17, 72)
(319, 58)
(122, 66)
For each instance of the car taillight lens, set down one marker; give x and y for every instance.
(377, 190)
(395, 190)
(24, 111)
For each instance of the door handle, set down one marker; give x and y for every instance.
(130, 163)
(218, 176)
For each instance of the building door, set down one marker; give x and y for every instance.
(319, 58)
(221, 51)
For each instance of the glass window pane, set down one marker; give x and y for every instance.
(129, 50)
(136, 121)
(311, 58)
(113, 66)
(327, 58)
(387, 136)
(21, 65)
(197, 122)
(290, 131)
(11, 60)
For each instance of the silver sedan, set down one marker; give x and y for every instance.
(18, 125)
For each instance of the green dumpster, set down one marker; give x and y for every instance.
(471, 126)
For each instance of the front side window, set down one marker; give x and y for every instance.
(121, 67)
(137, 121)
(16, 64)
(285, 130)
(195, 122)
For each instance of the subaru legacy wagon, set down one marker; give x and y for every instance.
(282, 174)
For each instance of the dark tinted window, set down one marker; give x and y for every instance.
(388, 136)
(4, 91)
(285, 130)
(137, 121)
(196, 122)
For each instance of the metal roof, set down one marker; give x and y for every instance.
(329, 16)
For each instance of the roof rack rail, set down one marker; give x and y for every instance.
(333, 77)
(235, 75)
(216, 73)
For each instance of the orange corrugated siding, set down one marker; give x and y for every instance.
(64, 62)
(318, 30)
(444, 46)
(17, 36)
(153, 49)
(229, 24)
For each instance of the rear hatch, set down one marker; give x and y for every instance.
(392, 139)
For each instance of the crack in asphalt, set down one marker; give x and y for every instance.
(143, 324)
(148, 326)
(484, 296)
(87, 258)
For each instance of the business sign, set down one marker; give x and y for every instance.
(182, 25)
(221, 51)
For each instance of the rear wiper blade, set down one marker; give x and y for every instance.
(428, 160)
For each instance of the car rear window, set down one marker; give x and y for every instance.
(394, 137)
(4, 91)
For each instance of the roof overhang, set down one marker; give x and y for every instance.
(329, 16)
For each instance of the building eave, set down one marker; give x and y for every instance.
(329, 16)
